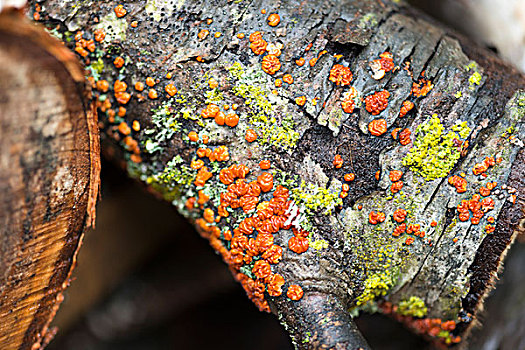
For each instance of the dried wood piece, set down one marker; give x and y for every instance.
(49, 177)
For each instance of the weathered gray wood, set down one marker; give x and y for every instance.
(356, 263)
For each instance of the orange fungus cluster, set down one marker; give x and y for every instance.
(257, 43)
(407, 106)
(377, 127)
(422, 88)
(340, 75)
(376, 217)
(377, 102)
(458, 182)
(274, 19)
(252, 242)
(271, 64)
(338, 161)
(295, 292)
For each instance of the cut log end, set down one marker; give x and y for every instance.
(49, 177)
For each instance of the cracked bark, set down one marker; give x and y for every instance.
(49, 177)
(451, 278)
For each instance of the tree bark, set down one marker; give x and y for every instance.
(434, 281)
(49, 167)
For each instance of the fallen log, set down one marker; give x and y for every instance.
(48, 177)
(338, 155)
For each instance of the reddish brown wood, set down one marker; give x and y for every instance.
(49, 177)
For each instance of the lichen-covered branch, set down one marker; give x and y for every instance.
(345, 149)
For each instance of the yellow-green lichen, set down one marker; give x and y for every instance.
(176, 173)
(307, 337)
(434, 153)
(171, 180)
(375, 286)
(472, 66)
(314, 198)
(368, 20)
(214, 96)
(414, 307)
(319, 244)
(475, 78)
(167, 121)
(380, 258)
(236, 70)
(214, 189)
(255, 97)
(521, 100)
(446, 336)
(517, 106)
(283, 135)
(277, 129)
(96, 68)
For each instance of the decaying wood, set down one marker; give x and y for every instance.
(357, 265)
(49, 167)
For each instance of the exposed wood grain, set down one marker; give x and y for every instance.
(49, 165)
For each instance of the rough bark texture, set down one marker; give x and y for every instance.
(441, 276)
(321, 321)
(48, 177)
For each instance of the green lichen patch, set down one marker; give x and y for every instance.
(380, 258)
(175, 174)
(173, 179)
(517, 106)
(476, 77)
(214, 96)
(375, 286)
(214, 190)
(274, 127)
(319, 244)
(236, 71)
(414, 306)
(96, 68)
(368, 20)
(283, 135)
(166, 122)
(434, 153)
(314, 198)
